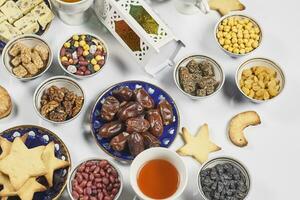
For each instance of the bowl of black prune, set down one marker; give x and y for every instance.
(223, 178)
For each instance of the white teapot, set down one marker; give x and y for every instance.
(192, 6)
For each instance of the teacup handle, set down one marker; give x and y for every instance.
(203, 6)
(136, 197)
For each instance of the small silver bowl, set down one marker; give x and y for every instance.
(234, 55)
(59, 81)
(84, 76)
(30, 40)
(219, 74)
(265, 62)
(221, 160)
(73, 172)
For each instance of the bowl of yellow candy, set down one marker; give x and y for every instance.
(238, 35)
(260, 79)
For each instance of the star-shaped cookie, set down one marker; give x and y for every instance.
(225, 6)
(199, 146)
(31, 186)
(22, 163)
(6, 145)
(51, 162)
(7, 187)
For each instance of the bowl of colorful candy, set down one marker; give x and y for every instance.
(83, 55)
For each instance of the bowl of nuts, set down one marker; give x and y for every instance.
(59, 99)
(83, 55)
(260, 79)
(95, 179)
(224, 178)
(27, 57)
(199, 76)
(238, 35)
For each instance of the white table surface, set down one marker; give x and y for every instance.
(272, 155)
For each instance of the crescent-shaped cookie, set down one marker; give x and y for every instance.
(237, 125)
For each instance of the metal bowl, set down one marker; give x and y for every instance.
(219, 74)
(85, 76)
(59, 81)
(30, 40)
(234, 55)
(260, 62)
(73, 172)
(221, 160)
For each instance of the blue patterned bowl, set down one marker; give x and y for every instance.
(169, 133)
(38, 136)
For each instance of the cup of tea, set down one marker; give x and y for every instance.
(72, 12)
(158, 173)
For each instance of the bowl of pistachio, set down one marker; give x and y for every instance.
(238, 35)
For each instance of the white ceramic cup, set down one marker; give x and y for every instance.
(158, 153)
(189, 7)
(75, 13)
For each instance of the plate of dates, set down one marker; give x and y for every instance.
(132, 116)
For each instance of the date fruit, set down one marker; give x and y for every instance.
(135, 144)
(123, 94)
(129, 110)
(144, 98)
(111, 129)
(109, 108)
(150, 140)
(166, 112)
(118, 143)
(137, 124)
(156, 123)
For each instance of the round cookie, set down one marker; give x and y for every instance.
(5, 103)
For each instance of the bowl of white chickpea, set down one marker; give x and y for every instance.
(238, 34)
(260, 79)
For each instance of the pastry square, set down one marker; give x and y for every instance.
(7, 31)
(11, 11)
(43, 14)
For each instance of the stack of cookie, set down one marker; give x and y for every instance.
(21, 168)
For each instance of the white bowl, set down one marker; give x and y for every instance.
(30, 40)
(85, 76)
(59, 81)
(73, 172)
(260, 62)
(219, 74)
(158, 153)
(221, 160)
(234, 55)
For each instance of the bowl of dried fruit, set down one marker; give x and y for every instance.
(199, 76)
(224, 178)
(260, 79)
(83, 55)
(238, 35)
(59, 99)
(27, 57)
(95, 178)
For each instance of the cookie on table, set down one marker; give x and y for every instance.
(5, 103)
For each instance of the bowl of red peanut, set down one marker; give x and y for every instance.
(95, 179)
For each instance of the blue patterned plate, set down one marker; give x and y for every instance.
(40, 31)
(157, 94)
(38, 136)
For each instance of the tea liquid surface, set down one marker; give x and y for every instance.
(158, 179)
